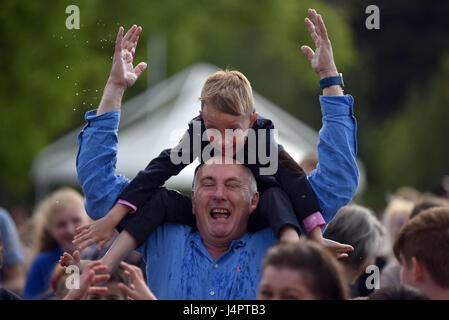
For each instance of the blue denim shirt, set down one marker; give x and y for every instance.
(178, 265)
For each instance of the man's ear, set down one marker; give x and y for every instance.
(201, 113)
(417, 270)
(253, 119)
(193, 202)
(254, 202)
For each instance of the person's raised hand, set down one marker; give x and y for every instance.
(338, 249)
(100, 231)
(322, 59)
(138, 289)
(123, 74)
(68, 260)
(89, 277)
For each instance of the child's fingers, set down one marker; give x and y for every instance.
(133, 274)
(93, 290)
(82, 238)
(76, 256)
(126, 266)
(81, 228)
(127, 290)
(100, 278)
(345, 248)
(87, 243)
(100, 268)
(82, 233)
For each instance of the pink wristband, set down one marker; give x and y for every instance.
(312, 221)
(130, 205)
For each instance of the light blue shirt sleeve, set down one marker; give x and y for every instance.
(96, 163)
(336, 177)
(12, 247)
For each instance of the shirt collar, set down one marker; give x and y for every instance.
(197, 241)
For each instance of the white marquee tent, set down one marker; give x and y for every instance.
(155, 120)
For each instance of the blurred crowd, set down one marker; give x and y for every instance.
(399, 253)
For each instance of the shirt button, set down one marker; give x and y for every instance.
(212, 293)
(215, 266)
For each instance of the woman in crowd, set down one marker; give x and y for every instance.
(301, 271)
(358, 227)
(55, 221)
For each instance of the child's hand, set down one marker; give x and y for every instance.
(68, 260)
(88, 278)
(138, 289)
(338, 249)
(100, 231)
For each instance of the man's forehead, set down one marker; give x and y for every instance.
(221, 169)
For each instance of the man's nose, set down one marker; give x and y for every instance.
(219, 193)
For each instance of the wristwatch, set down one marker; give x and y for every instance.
(330, 81)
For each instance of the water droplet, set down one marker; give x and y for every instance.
(57, 77)
(91, 104)
(76, 84)
(84, 102)
(96, 90)
(76, 94)
(87, 41)
(67, 66)
(61, 37)
(74, 109)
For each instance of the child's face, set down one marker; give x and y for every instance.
(217, 122)
(113, 293)
(63, 225)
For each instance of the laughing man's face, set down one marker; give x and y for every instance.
(222, 202)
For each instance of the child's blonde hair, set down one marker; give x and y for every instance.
(43, 216)
(228, 91)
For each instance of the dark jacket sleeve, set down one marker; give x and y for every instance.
(291, 179)
(164, 206)
(169, 163)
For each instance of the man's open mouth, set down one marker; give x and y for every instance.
(220, 214)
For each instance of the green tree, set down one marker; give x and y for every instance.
(52, 75)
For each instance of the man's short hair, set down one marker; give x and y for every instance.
(426, 237)
(252, 183)
(228, 91)
(398, 292)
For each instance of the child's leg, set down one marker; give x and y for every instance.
(164, 206)
(274, 210)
